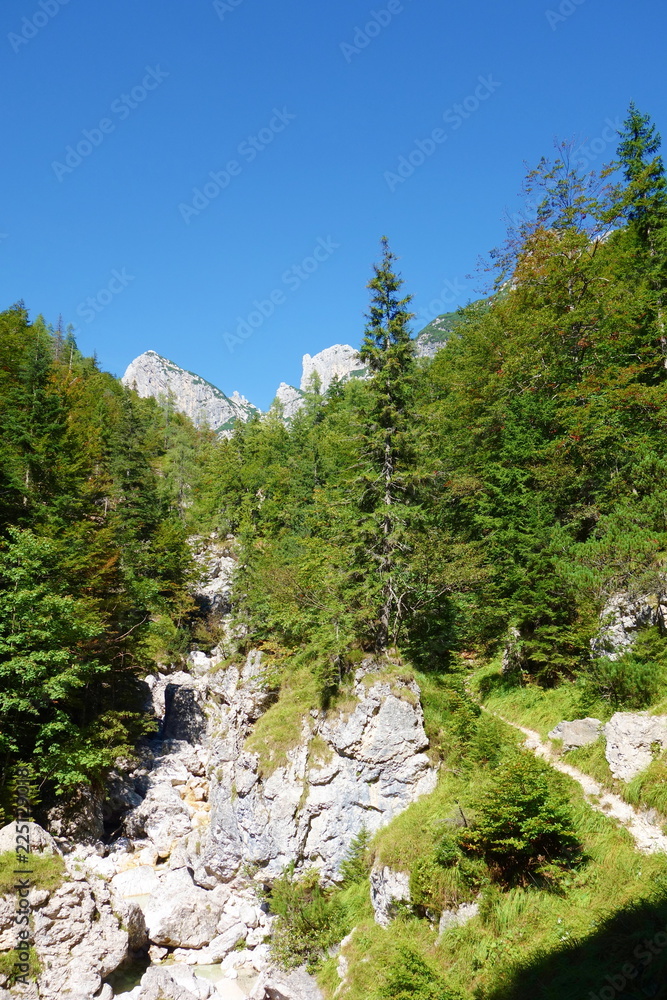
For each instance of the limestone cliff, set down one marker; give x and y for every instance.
(152, 375)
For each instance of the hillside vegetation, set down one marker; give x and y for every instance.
(428, 516)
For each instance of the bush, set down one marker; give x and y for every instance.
(523, 828)
(310, 920)
(635, 679)
(410, 978)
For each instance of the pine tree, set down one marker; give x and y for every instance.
(644, 205)
(388, 352)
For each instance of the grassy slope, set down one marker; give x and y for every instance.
(526, 942)
(541, 709)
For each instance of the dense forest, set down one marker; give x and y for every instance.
(429, 519)
(498, 493)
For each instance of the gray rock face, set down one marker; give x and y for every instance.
(309, 809)
(631, 738)
(579, 733)
(78, 936)
(339, 361)
(157, 377)
(289, 399)
(388, 890)
(621, 619)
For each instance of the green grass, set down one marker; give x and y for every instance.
(9, 971)
(520, 930)
(47, 871)
(543, 708)
(649, 789)
(530, 705)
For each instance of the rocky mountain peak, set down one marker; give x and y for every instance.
(341, 361)
(152, 375)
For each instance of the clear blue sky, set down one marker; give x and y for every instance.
(181, 87)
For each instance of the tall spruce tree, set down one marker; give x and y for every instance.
(644, 205)
(388, 352)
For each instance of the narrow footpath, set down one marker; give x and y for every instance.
(647, 835)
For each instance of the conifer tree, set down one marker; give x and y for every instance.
(644, 205)
(388, 352)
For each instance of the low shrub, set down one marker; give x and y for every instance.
(523, 828)
(310, 919)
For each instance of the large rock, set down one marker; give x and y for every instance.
(170, 983)
(162, 817)
(459, 917)
(78, 938)
(179, 914)
(310, 809)
(296, 985)
(40, 841)
(579, 733)
(389, 889)
(632, 738)
(622, 617)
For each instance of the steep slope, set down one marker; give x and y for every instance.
(152, 375)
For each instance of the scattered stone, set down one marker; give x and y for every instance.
(579, 733)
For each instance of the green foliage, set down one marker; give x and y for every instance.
(409, 977)
(634, 679)
(523, 827)
(310, 919)
(356, 865)
(95, 489)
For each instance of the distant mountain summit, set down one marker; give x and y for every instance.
(152, 375)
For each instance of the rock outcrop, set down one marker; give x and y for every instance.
(201, 821)
(157, 377)
(632, 742)
(622, 617)
(389, 890)
(578, 733)
(289, 399)
(350, 771)
(79, 935)
(340, 361)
